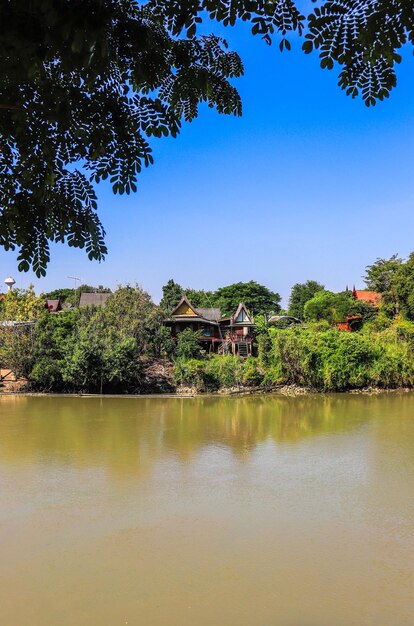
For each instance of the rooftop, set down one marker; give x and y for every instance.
(94, 299)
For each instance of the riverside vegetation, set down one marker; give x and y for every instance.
(123, 347)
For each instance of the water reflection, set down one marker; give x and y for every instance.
(128, 434)
(165, 511)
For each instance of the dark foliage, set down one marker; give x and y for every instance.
(86, 84)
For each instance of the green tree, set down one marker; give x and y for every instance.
(65, 295)
(188, 346)
(379, 276)
(54, 339)
(300, 294)
(86, 84)
(22, 305)
(257, 298)
(172, 293)
(334, 307)
(201, 298)
(17, 349)
(84, 87)
(403, 286)
(98, 364)
(98, 349)
(130, 313)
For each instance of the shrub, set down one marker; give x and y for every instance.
(335, 361)
(188, 346)
(192, 373)
(252, 374)
(217, 372)
(226, 370)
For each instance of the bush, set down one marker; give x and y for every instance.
(217, 372)
(252, 374)
(405, 331)
(336, 361)
(192, 373)
(226, 370)
(188, 344)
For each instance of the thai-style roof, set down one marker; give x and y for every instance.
(93, 299)
(54, 305)
(370, 297)
(212, 314)
(233, 319)
(240, 309)
(185, 310)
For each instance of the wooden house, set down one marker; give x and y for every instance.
(205, 320)
(218, 334)
(237, 331)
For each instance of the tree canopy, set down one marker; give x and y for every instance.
(86, 84)
(171, 295)
(379, 276)
(403, 285)
(257, 298)
(300, 294)
(334, 307)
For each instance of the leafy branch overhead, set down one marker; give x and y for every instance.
(86, 84)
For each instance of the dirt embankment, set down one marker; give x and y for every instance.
(10, 384)
(158, 376)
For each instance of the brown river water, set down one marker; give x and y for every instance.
(248, 511)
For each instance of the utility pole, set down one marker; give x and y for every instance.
(76, 279)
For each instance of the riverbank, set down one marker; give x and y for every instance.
(292, 361)
(186, 392)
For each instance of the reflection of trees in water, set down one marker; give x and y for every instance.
(125, 435)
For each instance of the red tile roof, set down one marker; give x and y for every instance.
(370, 297)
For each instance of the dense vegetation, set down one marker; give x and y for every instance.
(110, 349)
(88, 349)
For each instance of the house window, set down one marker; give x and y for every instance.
(206, 331)
(243, 317)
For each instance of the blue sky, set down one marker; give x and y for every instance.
(308, 184)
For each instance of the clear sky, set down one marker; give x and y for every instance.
(308, 184)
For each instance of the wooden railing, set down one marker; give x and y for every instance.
(235, 338)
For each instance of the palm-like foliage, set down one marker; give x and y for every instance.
(86, 84)
(363, 36)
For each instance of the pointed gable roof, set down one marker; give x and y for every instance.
(54, 306)
(184, 307)
(242, 316)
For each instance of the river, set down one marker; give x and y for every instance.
(218, 511)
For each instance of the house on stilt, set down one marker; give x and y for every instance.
(223, 335)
